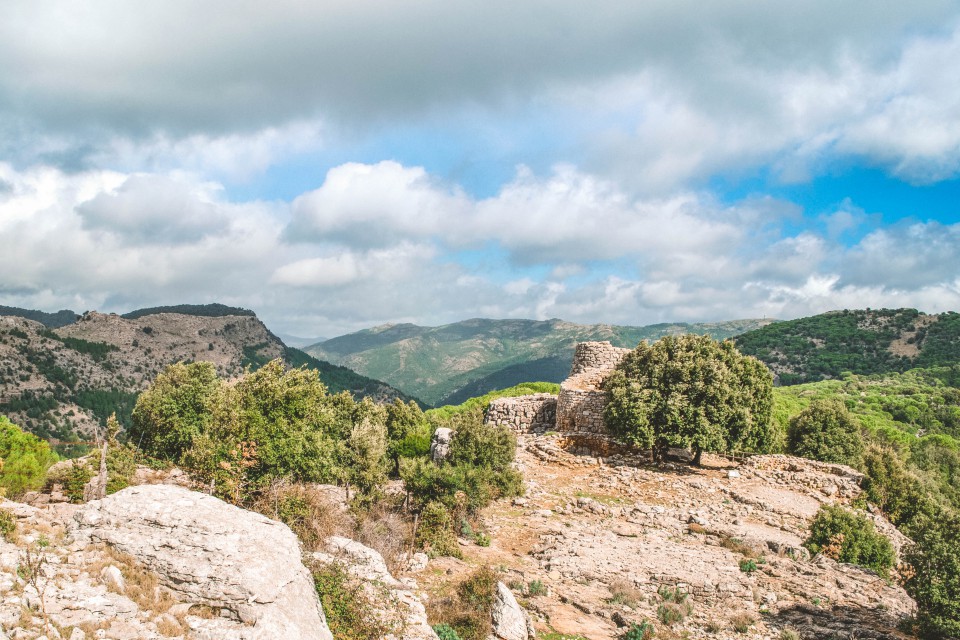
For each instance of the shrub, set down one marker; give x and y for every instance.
(690, 391)
(642, 631)
(536, 588)
(849, 537)
(674, 607)
(25, 459)
(742, 622)
(826, 431)
(307, 511)
(435, 532)
(934, 579)
(345, 606)
(468, 610)
(8, 525)
(445, 632)
(748, 565)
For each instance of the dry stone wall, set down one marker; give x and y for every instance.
(578, 408)
(534, 413)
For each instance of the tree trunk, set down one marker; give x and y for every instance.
(697, 456)
(102, 478)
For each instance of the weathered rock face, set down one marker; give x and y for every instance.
(211, 553)
(440, 444)
(395, 600)
(535, 413)
(510, 621)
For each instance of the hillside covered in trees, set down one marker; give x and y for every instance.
(860, 341)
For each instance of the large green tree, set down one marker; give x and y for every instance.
(934, 581)
(826, 431)
(690, 391)
(24, 459)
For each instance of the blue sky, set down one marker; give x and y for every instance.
(335, 166)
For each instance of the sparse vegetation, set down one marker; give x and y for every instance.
(467, 610)
(345, 605)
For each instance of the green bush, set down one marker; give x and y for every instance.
(445, 632)
(435, 532)
(692, 392)
(748, 565)
(642, 631)
(344, 604)
(849, 537)
(25, 459)
(826, 431)
(8, 525)
(934, 582)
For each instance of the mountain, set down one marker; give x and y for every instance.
(50, 320)
(447, 364)
(65, 381)
(862, 341)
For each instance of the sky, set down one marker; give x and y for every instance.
(335, 166)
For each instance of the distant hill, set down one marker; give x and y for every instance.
(213, 310)
(450, 363)
(862, 342)
(65, 381)
(50, 320)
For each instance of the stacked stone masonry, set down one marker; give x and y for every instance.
(535, 413)
(578, 408)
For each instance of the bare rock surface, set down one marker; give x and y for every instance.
(603, 538)
(211, 553)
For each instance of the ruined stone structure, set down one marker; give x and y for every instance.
(536, 413)
(578, 408)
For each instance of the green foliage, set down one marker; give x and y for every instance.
(934, 582)
(214, 310)
(826, 431)
(176, 409)
(849, 537)
(25, 459)
(76, 478)
(748, 565)
(642, 631)
(536, 588)
(345, 605)
(435, 532)
(690, 391)
(96, 350)
(445, 632)
(899, 493)
(480, 445)
(475, 597)
(8, 525)
(408, 432)
(826, 345)
(103, 403)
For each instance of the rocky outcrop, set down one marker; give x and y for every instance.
(394, 600)
(208, 552)
(440, 444)
(510, 621)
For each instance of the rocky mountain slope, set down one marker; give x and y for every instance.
(595, 545)
(57, 382)
(860, 341)
(451, 363)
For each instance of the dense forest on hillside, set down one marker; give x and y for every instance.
(213, 310)
(50, 320)
(863, 342)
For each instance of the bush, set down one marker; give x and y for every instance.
(8, 525)
(345, 605)
(849, 537)
(693, 392)
(25, 459)
(934, 579)
(468, 611)
(826, 431)
(748, 565)
(445, 632)
(435, 532)
(642, 631)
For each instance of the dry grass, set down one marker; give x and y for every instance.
(308, 511)
(739, 546)
(623, 591)
(387, 532)
(142, 585)
(741, 622)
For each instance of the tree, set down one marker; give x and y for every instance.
(934, 582)
(826, 431)
(849, 537)
(690, 391)
(175, 410)
(24, 459)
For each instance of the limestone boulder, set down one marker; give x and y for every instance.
(510, 621)
(212, 553)
(440, 444)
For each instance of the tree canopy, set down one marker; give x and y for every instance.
(690, 391)
(826, 431)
